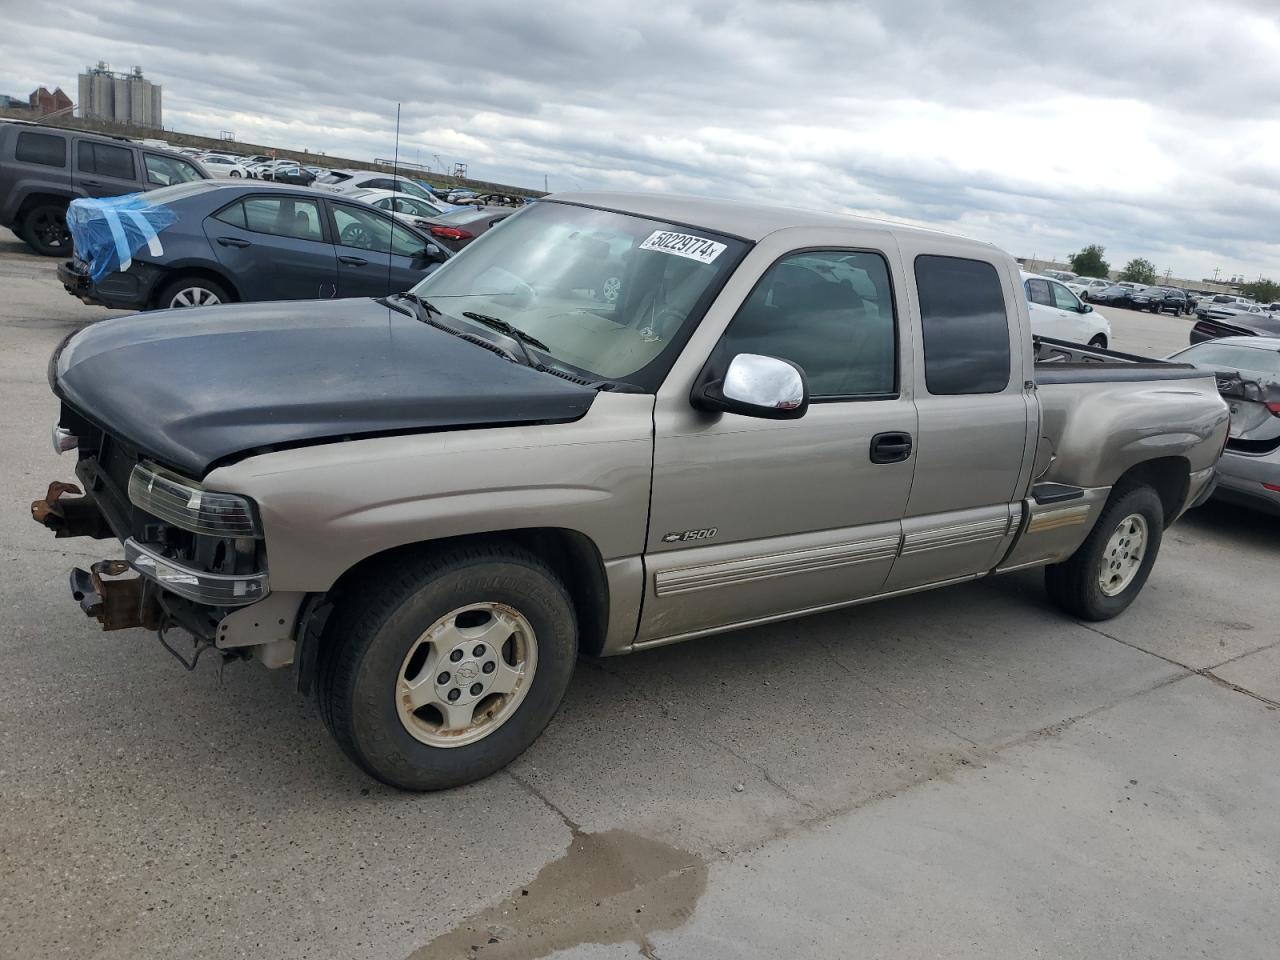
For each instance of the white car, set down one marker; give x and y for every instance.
(1066, 276)
(349, 181)
(1085, 287)
(221, 166)
(1058, 313)
(402, 206)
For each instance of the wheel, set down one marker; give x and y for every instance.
(448, 669)
(45, 230)
(191, 292)
(234, 173)
(1099, 341)
(1104, 575)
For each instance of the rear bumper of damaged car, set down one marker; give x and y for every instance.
(132, 289)
(1250, 481)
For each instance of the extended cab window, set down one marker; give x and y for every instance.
(105, 160)
(278, 216)
(47, 149)
(965, 325)
(830, 313)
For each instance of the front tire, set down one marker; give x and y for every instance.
(1108, 571)
(1099, 342)
(446, 669)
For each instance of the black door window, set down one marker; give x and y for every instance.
(47, 149)
(965, 325)
(105, 160)
(829, 312)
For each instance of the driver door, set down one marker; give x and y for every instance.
(755, 518)
(376, 257)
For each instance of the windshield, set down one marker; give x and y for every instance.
(611, 295)
(1256, 359)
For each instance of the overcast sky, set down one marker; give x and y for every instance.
(1152, 128)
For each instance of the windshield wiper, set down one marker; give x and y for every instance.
(427, 306)
(502, 326)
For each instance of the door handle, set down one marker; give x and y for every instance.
(353, 261)
(233, 242)
(890, 447)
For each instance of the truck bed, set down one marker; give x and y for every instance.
(1060, 361)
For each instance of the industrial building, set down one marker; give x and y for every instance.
(122, 97)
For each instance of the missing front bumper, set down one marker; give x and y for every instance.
(107, 593)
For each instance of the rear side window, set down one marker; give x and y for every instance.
(965, 326)
(44, 148)
(280, 216)
(105, 160)
(1038, 292)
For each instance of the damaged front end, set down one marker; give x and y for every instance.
(193, 558)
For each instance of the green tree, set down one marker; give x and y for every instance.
(1089, 263)
(1139, 270)
(1264, 291)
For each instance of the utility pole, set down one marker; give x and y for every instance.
(1216, 271)
(544, 184)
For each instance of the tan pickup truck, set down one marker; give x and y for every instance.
(614, 422)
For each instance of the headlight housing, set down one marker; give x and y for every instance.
(187, 505)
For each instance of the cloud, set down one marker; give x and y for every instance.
(1150, 127)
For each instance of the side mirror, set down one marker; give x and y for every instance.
(755, 386)
(1085, 308)
(430, 253)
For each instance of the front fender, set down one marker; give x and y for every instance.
(328, 506)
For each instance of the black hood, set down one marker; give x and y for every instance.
(191, 387)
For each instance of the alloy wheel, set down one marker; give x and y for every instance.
(194, 297)
(1122, 557)
(466, 675)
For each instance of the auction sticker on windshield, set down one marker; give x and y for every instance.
(683, 245)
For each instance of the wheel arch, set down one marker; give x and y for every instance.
(1170, 477)
(37, 197)
(173, 271)
(570, 554)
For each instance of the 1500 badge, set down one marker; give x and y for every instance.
(688, 536)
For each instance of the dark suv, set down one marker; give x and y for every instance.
(43, 168)
(1160, 299)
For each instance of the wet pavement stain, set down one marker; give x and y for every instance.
(609, 887)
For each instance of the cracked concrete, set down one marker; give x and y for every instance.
(963, 773)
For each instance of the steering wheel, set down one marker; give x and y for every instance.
(355, 235)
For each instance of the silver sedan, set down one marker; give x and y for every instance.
(1248, 372)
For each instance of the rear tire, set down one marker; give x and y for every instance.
(369, 665)
(44, 228)
(1103, 576)
(191, 291)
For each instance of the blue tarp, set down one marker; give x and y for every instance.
(108, 231)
